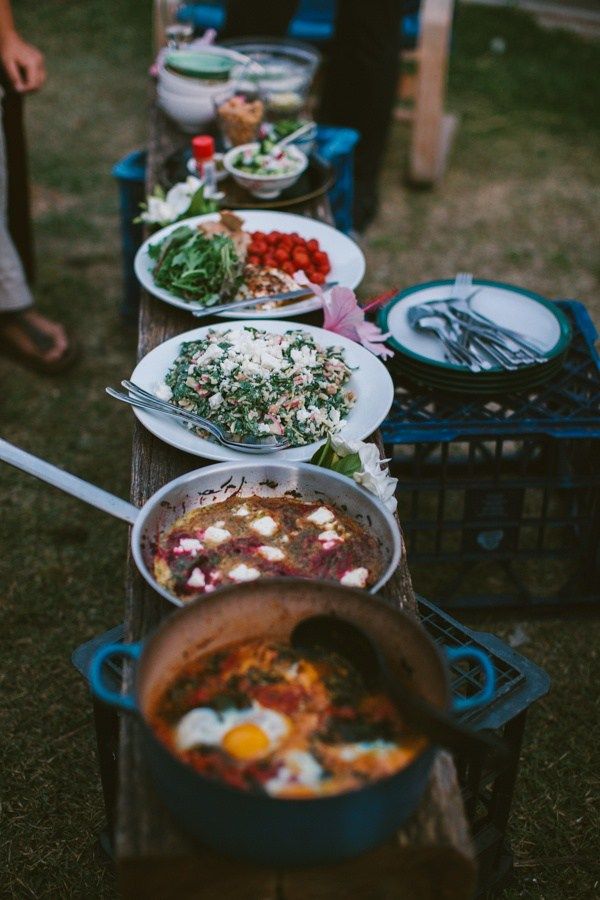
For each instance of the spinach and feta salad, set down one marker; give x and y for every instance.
(196, 267)
(254, 382)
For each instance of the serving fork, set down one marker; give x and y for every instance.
(142, 399)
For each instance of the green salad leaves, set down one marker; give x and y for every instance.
(196, 267)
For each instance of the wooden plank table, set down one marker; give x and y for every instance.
(431, 857)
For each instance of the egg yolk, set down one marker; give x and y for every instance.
(246, 741)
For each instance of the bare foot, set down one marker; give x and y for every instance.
(34, 338)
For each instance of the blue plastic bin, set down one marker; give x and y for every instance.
(313, 21)
(336, 145)
(130, 173)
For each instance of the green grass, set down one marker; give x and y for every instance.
(518, 203)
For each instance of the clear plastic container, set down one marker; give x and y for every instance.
(285, 75)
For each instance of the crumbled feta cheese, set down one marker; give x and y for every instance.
(214, 535)
(190, 545)
(244, 573)
(321, 516)
(163, 391)
(242, 511)
(215, 401)
(330, 537)
(355, 577)
(265, 526)
(196, 579)
(273, 554)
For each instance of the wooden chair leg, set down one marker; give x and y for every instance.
(432, 130)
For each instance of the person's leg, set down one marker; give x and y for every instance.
(360, 87)
(14, 292)
(261, 17)
(24, 332)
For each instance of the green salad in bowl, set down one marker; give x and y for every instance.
(264, 168)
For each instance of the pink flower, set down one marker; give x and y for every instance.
(343, 315)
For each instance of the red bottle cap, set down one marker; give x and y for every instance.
(203, 147)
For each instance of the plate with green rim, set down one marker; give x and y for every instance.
(195, 64)
(505, 304)
(528, 379)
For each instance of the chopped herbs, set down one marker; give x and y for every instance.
(256, 383)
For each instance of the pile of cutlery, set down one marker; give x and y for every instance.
(471, 339)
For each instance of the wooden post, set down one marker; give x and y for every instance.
(432, 131)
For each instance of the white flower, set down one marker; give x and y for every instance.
(381, 484)
(373, 474)
(161, 211)
(178, 199)
(157, 213)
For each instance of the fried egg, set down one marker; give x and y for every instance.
(300, 773)
(245, 734)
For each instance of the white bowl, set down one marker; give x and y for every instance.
(266, 187)
(190, 87)
(191, 113)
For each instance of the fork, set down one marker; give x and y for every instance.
(463, 284)
(461, 297)
(142, 399)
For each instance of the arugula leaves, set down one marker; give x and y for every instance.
(197, 267)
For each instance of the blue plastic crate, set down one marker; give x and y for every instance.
(499, 497)
(567, 406)
(130, 173)
(313, 21)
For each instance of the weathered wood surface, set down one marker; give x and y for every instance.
(431, 857)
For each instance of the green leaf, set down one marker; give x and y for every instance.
(348, 465)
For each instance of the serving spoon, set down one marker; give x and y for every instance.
(333, 634)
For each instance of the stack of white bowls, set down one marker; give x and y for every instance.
(188, 83)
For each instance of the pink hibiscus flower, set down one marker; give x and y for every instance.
(343, 315)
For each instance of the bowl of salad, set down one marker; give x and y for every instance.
(265, 169)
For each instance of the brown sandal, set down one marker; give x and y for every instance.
(41, 341)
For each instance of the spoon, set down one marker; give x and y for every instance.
(421, 319)
(330, 633)
(282, 142)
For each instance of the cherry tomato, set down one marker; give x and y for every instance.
(258, 236)
(270, 262)
(288, 267)
(254, 260)
(318, 278)
(320, 257)
(281, 255)
(301, 258)
(312, 245)
(271, 239)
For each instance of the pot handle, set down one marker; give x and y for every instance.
(99, 688)
(68, 483)
(460, 704)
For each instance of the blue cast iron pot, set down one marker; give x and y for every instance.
(261, 828)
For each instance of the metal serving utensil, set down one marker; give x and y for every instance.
(142, 399)
(422, 318)
(337, 635)
(256, 301)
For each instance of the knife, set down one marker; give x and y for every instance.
(255, 301)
